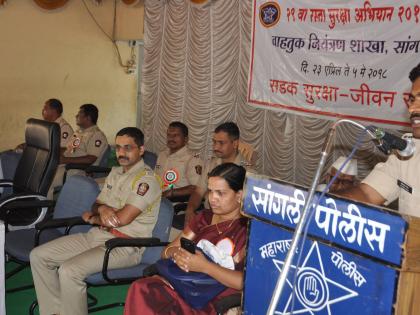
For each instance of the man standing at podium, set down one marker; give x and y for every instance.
(397, 177)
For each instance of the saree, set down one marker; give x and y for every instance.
(154, 295)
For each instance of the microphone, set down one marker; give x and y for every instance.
(386, 142)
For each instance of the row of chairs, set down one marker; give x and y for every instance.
(45, 220)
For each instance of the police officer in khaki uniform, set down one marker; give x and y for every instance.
(398, 177)
(52, 112)
(179, 168)
(127, 206)
(225, 149)
(86, 146)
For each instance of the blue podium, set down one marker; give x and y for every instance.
(354, 260)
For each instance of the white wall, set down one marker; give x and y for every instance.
(63, 54)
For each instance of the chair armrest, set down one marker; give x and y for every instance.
(6, 182)
(150, 270)
(25, 204)
(226, 303)
(76, 166)
(134, 242)
(68, 223)
(23, 200)
(179, 198)
(61, 222)
(127, 242)
(97, 169)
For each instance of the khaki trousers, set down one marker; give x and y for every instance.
(59, 268)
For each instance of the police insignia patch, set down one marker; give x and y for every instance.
(142, 189)
(269, 14)
(198, 169)
(65, 135)
(98, 143)
(76, 143)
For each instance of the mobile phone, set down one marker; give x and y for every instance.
(188, 245)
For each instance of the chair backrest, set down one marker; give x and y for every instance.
(77, 196)
(150, 159)
(9, 161)
(161, 231)
(40, 157)
(105, 156)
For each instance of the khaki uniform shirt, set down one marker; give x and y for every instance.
(139, 187)
(180, 169)
(215, 161)
(66, 131)
(399, 179)
(212, 163)
(90, 141)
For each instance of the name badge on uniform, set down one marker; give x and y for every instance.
(405, 186)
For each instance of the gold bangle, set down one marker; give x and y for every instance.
(165, 253)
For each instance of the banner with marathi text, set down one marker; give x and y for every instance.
(335, 58)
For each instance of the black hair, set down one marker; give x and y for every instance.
(233, 174)
(181, 126)
(414, 73)
(56, 105)
(91, 111)
(230, 128)
(134, 133)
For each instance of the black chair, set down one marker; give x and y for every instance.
(78, 195)
(33, 176)
(9, 161)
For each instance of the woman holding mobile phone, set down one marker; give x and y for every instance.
(223, 226)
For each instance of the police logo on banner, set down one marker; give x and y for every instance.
(269, 14)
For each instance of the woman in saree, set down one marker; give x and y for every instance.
(223, 226)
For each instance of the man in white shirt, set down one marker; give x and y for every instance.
(398, 177)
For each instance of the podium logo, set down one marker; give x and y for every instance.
(314, 291)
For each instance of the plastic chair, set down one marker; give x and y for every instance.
(33, 177)
(78, 195)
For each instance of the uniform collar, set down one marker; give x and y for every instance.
(59, 120)
(134, 169)
(90, 129)
(239, 159)
(181, 151)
